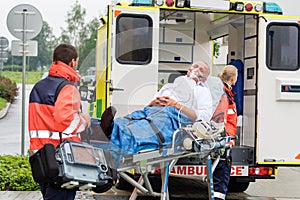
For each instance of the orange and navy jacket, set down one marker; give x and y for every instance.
(47, 117)
(227, 107)
(231, 114)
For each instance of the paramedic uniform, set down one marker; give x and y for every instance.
(221, 175)
(46, 117)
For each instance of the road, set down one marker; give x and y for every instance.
(11, 126)
(286, 186)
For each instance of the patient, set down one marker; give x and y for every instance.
(188, 93)
(185, 101)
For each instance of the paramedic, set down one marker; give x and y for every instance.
(221, 175)
(197, 106)
(48, 116)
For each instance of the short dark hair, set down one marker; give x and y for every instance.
(65, 53)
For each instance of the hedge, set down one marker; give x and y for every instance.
(15, 174)
(8, 89)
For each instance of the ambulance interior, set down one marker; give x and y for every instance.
(187, 37)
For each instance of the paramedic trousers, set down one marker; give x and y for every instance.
(52, 193)
(221, 177)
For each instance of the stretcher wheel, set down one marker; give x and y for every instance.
(103, 188)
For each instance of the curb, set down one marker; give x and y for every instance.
(4, 111)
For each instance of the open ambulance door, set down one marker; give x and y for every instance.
(134, 57)
(278, 91)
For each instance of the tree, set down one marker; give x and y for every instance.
(87, 51)
(46, 43)
(82, 35)
(75, 30)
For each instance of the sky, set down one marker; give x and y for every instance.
(54, 12)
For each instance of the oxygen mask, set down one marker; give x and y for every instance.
(193, 74)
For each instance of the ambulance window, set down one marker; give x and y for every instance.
(168, 76)
(283, 46)
(134, 39)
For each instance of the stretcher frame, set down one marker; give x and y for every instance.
(165, 158)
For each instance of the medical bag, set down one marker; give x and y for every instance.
(43, 164)
(83, 166)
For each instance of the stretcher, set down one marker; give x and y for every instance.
(201, 139)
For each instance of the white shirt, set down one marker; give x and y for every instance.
(185, 91)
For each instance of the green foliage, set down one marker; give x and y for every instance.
(81, 34)
(46, 44)
(217, 46)
(87, 52)
(31, 77)
(15, 174)
(8, 89)
(78, 33)
(75, 31)
(15, 68)
(2, 103)
(14, 60)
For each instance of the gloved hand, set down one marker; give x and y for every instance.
(230, 144)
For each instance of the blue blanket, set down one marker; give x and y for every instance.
(131, 136)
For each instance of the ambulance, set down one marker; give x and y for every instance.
(145, 44)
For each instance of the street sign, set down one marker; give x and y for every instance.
(3, 42)
(3, 54)
(24, 22)
(17, 48)
(26, 19)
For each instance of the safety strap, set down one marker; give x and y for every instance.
(159, 135)
(231, 101)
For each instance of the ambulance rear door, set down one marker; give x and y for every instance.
(134, 63)
(278, 91)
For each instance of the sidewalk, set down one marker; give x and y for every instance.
(36, 195)
(112, 194)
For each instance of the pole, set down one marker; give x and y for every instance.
(23, 81)
(1, 66)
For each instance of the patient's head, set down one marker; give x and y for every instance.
(199, 71)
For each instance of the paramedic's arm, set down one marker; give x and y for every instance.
(67, 114)
(167, 101)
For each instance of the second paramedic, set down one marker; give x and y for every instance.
(49, 116)
(221, 175)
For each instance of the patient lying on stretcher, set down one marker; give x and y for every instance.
(185, 101)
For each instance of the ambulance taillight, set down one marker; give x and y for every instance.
(261, 171)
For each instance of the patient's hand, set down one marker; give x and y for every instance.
(154, 102)
(166, 101)
(163, 101)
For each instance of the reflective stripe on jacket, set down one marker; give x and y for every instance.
(46, 117)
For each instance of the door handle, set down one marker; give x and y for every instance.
(115, 89)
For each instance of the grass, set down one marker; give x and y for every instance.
(2, 103)
(31, 77)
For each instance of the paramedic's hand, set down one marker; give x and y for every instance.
(229, 145)
(87, 119)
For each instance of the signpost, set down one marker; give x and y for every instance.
(3, 52)
(24, 22)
